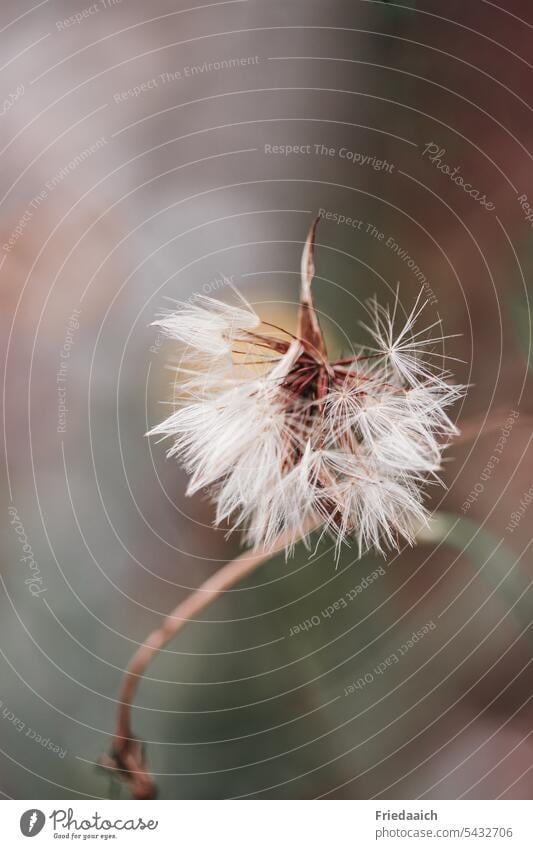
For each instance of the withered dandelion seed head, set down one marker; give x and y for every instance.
(287, 439)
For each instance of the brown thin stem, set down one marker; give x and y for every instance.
(127, 752)
(282, 330)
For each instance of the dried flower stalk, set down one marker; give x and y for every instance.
(127, 756)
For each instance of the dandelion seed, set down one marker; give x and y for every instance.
(285, 438)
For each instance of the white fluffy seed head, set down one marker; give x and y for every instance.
(207, 325)
(292, 441)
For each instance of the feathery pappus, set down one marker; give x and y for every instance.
(287, 440)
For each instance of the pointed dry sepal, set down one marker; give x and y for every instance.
(309, 330)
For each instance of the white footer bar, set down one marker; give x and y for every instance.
(268, 824)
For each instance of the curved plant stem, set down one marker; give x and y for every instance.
(127, 755)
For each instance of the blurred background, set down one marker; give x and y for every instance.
(149, 150)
